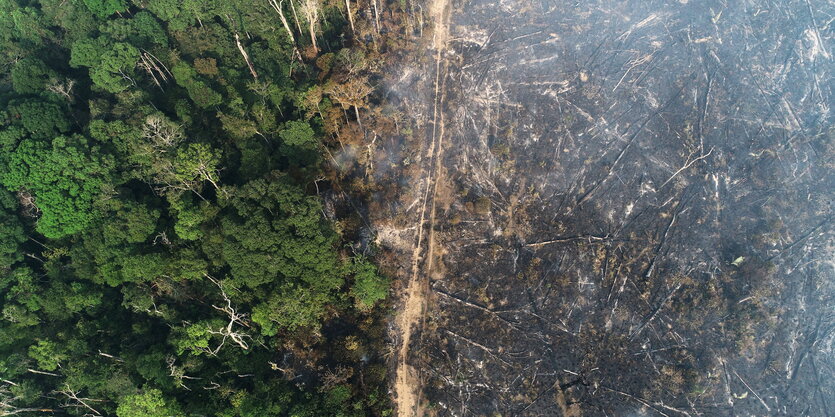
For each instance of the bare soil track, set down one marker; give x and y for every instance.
(407, 385)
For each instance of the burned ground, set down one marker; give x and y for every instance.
(635, 211)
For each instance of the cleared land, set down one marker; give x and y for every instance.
(638, 219)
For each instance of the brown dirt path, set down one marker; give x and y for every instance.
(407, 385)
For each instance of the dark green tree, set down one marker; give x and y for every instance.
(12, 234)
(142, 30)
(104, 8)
(41, 119)
(31, 76)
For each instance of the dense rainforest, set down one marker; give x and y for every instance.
(167, 247)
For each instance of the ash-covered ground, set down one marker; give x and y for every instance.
(634, 211)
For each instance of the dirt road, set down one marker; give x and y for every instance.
(407, 380)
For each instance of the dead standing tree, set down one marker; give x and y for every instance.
(246, 56)
(179, 373)
(8, 400)
(73, 400)
(155, 68)
(310, 8)
(161, 138)
(296, 16)
(62, 88)
(376, 16)
(161, 133)
(350, 16)
(277, 6)
(235, 318)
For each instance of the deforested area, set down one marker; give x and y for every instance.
(619, 208)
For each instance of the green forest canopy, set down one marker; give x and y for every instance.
(162, 251)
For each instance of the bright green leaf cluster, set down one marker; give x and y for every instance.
(111, 64)
(65, 177)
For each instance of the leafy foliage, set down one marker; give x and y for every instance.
(162, 248)
(149, 403)
(41, 119)
(369, 287)
(31, 75)
(65, 176)
(104, 8)
(111, 63)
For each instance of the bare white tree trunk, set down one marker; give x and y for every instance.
(376, 16)
(8, 400)
(63, 88)
(310, 8)
(246, 57)
(296, 16)
(350, 16)
(235, 319)
(74, 401)
(277, 6)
